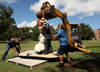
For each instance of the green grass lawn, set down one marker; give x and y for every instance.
(92, 59)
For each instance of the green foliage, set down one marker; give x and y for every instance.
(86, 32)
(25, 33)
(35, 32)
(5, 18)
(12, 32)
(53, 30)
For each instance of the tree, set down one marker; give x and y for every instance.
(35, 32)
(12, 32)
(5, 18)
(86, 32)
(25, 33)
(53, 30)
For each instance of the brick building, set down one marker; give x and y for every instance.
(97, 34)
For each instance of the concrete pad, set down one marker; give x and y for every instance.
(26, 62)
(31, 53)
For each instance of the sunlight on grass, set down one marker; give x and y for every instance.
(51, 66)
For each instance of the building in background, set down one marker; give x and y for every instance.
(97, 34)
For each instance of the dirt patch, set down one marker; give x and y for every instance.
(82, 65)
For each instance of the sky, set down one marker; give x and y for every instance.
(78, 11)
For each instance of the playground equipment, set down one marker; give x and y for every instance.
(48, 11)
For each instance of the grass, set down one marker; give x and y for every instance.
(93, 59)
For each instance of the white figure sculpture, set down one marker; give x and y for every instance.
(44, 45)
(39, 48)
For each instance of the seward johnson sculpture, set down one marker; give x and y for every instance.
(44, 44)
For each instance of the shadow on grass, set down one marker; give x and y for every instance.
(48, 69)
(92, 46)
(57, 69)
(91, 64)
(94, 61)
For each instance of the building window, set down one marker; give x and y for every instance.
(94, 31)
(95, 38)
(99, 37)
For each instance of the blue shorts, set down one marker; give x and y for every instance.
(63, 49)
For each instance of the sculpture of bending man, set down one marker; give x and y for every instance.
(45, 31)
